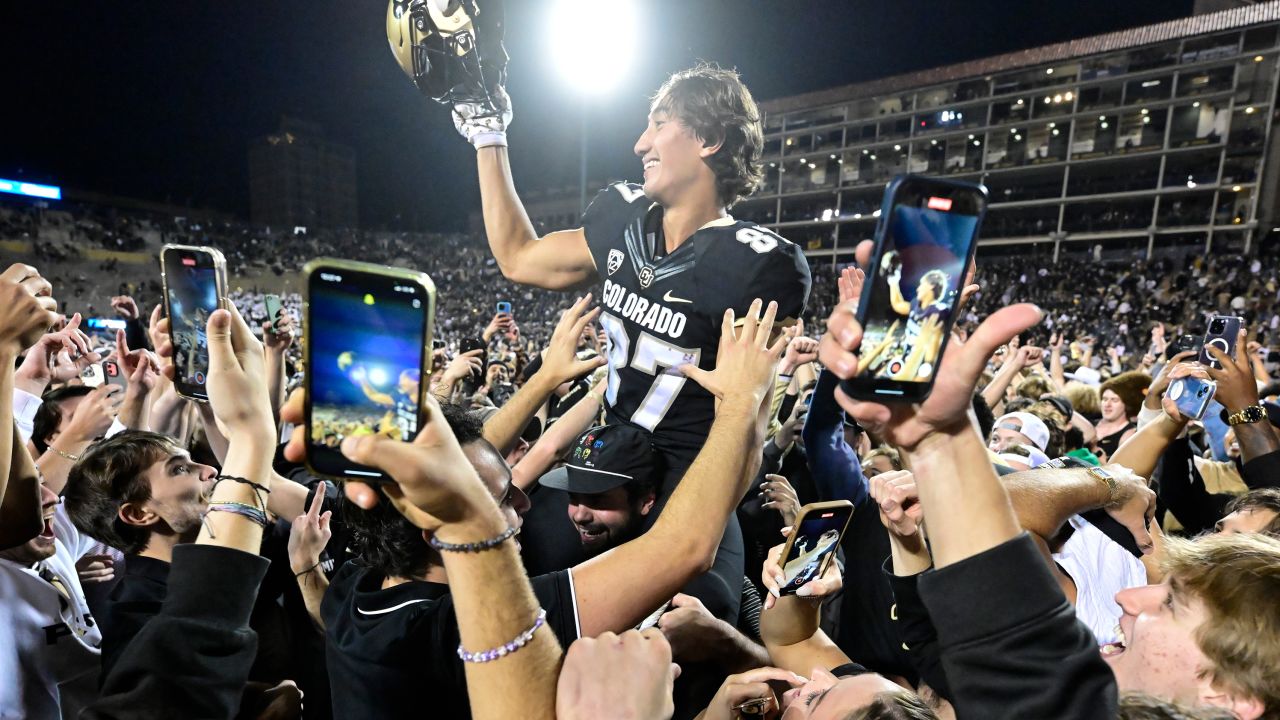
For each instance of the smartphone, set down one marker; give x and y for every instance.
(92, 376)
(273, 310)
(476, 377)
(813, 542)
(367, 329)
(925, 240)
(1182, 343)
(504, 307)
(1221, 334)
(195, 281)
(1192, 395)
(114, 374)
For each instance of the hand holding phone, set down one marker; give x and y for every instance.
(114, 374)
(194, 284)
(1222, 334)
(273, 305)
(367, 329)
(1192, 395)
(504, 307)
(925, 242)
(812, 544)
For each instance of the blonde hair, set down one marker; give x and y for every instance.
(1085, 399)
(1237, 578)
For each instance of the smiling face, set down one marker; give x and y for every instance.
(1158, 654)
(672, 159)
(42, 546)
(1112, 406)
(827, 697)
(608, 519)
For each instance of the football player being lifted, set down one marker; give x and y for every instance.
(665, 257)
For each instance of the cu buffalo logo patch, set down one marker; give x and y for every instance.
(615, 261)
(646, 276)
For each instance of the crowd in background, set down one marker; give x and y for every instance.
(1081, 389)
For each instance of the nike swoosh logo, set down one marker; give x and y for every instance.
(668, 297)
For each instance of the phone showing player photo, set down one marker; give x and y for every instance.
(813, 543)
(274, 307)
(1222, 333)
(195, 280)
(925, 240)
(367, 329)
(114, 374)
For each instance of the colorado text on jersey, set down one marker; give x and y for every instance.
(653, 316)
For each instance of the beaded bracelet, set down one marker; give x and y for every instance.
(474, 547)
(65, 455)
(501, 651)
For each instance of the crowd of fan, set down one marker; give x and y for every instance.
(168, 558)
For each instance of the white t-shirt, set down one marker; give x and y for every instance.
(49, 644)
(1100, 568)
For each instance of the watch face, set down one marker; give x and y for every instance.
(1099, 472)
(1254, 413)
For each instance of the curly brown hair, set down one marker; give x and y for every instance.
(713, 103)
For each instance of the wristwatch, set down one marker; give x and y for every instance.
(1103, 476)
(1251, 414)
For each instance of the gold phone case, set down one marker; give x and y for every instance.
(800, 518)
(220, 280)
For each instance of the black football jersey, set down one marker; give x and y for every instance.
(663, 310)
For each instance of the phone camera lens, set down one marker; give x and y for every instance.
(1217, 326)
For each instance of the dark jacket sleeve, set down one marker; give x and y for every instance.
(835, 467)
(1182, 490)
(193, 659)
(918, 633)
(1011, 644)
(1262, 471)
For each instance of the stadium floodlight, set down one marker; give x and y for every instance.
(593, 42)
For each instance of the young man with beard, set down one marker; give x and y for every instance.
(612, 478)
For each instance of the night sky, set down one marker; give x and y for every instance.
(159, 100)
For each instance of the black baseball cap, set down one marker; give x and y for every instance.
(606, 457)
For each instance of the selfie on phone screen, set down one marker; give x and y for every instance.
(366, 340)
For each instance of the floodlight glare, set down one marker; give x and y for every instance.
(593, 42)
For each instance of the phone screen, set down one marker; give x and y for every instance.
(813, 543)
(927, 231)
(191, 280)
(366, 338)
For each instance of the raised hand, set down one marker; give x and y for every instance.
(896, 495)
(778, 494)
(1237, 388)
(309, 534)
(27, 309)
(126, 307)
(746, 362)
(850, 284)
(694, 633)
(279, 333)
(462, 367)
(560, 359)
(57, 358)
(237, 382)
(95, 414)
(800, 350)
(946, 410)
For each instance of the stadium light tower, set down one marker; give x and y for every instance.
(592, 44)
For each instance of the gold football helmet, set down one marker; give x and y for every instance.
(446, 50)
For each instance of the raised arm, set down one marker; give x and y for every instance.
(26, 310)
(557, 261)
(559, 365)
(557, 439)
(1238, 390)
(682, 543)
